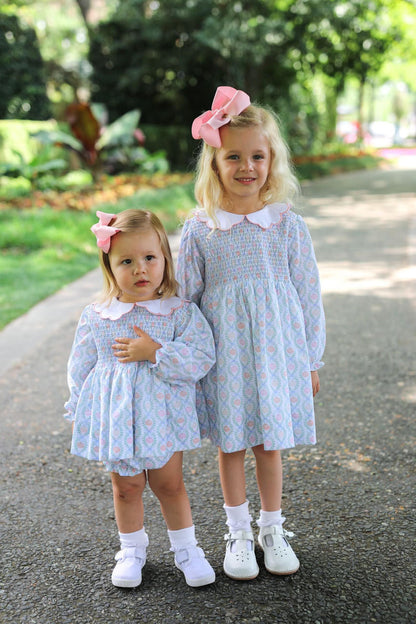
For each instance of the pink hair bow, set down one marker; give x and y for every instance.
(227, 101)
(103, 231)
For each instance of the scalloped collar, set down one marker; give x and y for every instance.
(269, 215)
(116, 309)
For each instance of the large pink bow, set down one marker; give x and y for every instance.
(103, 231)
(227, 101)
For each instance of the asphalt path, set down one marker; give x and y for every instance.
(350, 499)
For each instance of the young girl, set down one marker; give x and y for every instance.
(247, 260)
(132, 371)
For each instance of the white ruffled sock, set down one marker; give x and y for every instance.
(182, 538)
(270, 518)
(239, 519)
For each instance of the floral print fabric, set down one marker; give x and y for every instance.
(255, 279)
(135, 415)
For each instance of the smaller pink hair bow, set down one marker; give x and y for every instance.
(103, 231)
(227, 101)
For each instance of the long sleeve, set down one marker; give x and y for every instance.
(305, 277)
(190, 270)
(191, 354)
(82, 360)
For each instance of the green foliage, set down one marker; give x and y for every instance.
(16, 136)
(112, 149)
(33, 169)
(177, 142)
(172, 58)
(22, 81)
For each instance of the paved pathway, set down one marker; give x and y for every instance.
(350, 499)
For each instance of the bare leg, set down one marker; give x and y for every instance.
(128, 503)
(167, 484)
(269, 478)
(232, 475)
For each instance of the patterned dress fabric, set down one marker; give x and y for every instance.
(134, 416)
(256, 281)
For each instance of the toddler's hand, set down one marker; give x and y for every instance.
(136, 349)
(316, 386)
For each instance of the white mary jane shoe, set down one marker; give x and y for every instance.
(240, 559)
(279, 557)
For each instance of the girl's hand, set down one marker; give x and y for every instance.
(136, 349)
(316, 386)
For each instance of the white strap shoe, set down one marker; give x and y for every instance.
(240, 559)
(128, 570)
(197, 570)
(279, 557)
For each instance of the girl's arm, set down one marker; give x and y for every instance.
(82, 360)
(190, 271)
(305, 277)
(191, 354)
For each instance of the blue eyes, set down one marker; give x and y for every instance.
(255, 157)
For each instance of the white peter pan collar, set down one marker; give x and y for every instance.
(271, 214)
(116, 309)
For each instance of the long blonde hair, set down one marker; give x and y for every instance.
(281, 184)
(133, 220)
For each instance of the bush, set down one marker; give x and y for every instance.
(15, 136)
(177, 143)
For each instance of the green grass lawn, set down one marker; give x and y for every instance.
(42, 249)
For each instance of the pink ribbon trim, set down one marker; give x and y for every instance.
(227, 101)
(103, 231)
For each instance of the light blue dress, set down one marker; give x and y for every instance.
(255, 279)
(134, 416)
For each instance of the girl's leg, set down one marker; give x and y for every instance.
(128, 502)
(269, 477)
(240, 560)
(128, 505)
(279, 557)
(232, 476)
(167, 484)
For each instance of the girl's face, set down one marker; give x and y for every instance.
(138, 265)
(243, 164)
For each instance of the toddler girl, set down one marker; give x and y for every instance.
(132, 370)
(247, 260)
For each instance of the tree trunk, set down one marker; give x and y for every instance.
(360, 118)
(84, 7)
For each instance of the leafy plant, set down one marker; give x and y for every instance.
(33, 169)
(116, 147)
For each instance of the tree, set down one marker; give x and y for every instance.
(169, 57)
(341, 39)
(22, 79)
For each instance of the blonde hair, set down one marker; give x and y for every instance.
(133, 220)
(281, 184)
